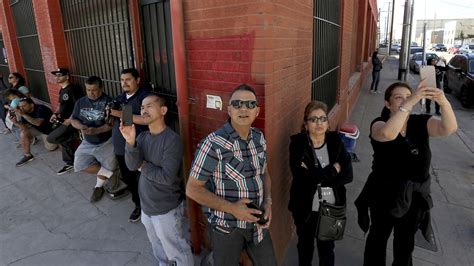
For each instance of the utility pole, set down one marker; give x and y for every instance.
(406, 36)
(386, 26)
(391, 28)
(423, 62)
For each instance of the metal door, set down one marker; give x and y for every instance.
(98, 36)
(158, 53)
(27, 36)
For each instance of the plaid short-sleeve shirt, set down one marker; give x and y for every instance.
(234, 169)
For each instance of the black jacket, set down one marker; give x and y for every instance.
(307, 174)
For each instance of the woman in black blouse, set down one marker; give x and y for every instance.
(397, 192)
(317, 156)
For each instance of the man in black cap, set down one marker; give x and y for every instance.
(64, 134)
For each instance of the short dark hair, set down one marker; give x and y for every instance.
(94, 80)
(160, 98)
(132, 71)
(27, 100)
(243, 87)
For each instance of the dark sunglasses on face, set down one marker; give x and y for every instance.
(237, 104)
(11, 77)
(315, 119)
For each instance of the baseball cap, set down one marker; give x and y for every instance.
(62, 71)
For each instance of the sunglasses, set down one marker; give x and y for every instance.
(11, 77)
(315, 119)
(237, 104)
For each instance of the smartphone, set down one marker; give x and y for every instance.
(428, 73)
(127, 115)
(261, 217)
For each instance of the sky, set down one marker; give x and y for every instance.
(424, 9)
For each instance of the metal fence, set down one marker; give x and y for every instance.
(98, 37)
(158, 53)
(4, 70)
(27, 36)
(326, 39)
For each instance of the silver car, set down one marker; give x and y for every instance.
(417, 59)
(467, 49)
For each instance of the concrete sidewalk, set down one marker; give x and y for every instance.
(48, 220)
(452, 186)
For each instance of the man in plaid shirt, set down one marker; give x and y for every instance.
(229, 177)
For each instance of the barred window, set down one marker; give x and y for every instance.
(326, 44)
(98, 36)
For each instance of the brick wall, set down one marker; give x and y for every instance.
(287, 91)
(9, 38)
(269, 46)
(53, 43)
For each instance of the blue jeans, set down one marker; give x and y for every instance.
(226, 247)
(166, 236)
(375, 80)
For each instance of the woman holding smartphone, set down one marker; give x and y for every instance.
(397, 191)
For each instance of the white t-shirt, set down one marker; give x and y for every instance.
(321, 154)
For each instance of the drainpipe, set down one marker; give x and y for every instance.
(177, 27)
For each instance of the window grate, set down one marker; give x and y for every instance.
(326, 38)
(98, 36)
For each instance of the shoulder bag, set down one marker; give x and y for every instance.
(331, 220)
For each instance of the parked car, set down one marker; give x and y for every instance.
(459, 78)
(417, 59)
(413, 49)
(439, 47)
(454, 49)
(467, 49)
(395, 48)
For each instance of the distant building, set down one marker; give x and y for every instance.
(446, 31)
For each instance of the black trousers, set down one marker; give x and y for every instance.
(306, 231)
(65, 136)
(404, 229)
(130, 178)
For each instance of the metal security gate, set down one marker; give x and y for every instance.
(4, 70)
(27, 36)
(326, 35)
(99, 40)
(158, 53)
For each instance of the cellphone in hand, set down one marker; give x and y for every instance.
(261, 217)
(428, 73)
(127, 115)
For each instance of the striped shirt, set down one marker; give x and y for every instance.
(234, 170)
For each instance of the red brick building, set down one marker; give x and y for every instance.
(291, 51)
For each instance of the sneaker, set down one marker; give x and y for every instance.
(114, 181)
(65, 169)
(5, 131)
(97, 194)
(25, 160)
(135, 216)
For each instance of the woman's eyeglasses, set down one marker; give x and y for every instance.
(237, 104)
(315, 119)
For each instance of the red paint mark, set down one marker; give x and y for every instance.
(216, 67)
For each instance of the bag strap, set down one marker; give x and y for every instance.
(320, 196)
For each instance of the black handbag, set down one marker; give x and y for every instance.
(331, 220)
